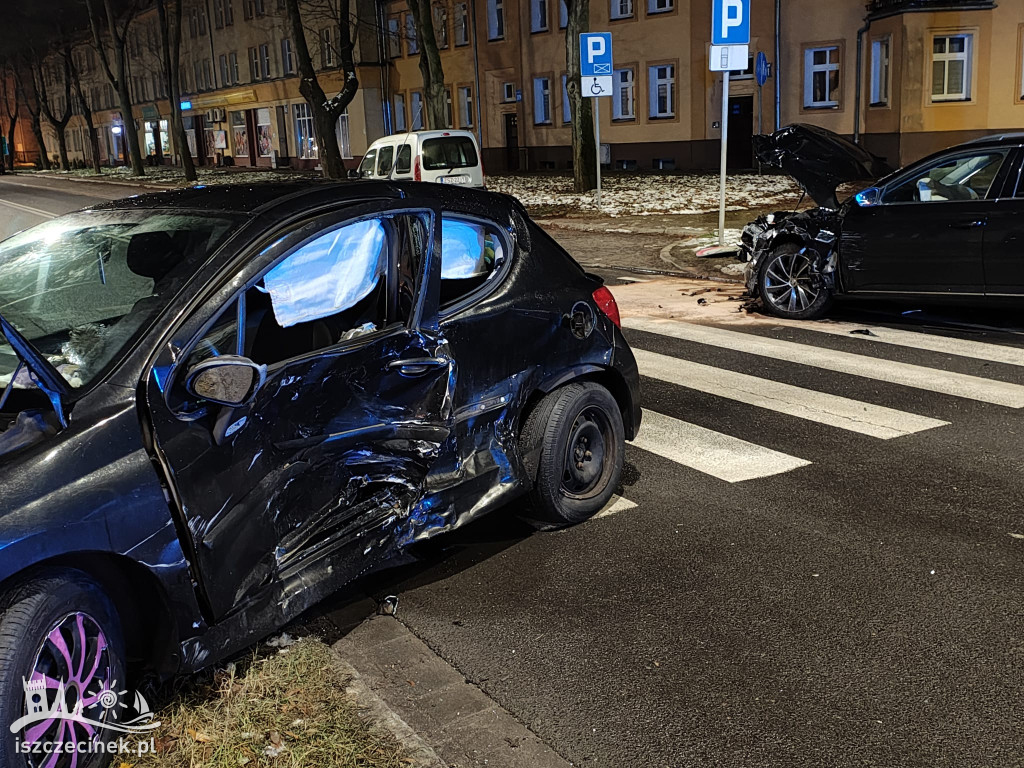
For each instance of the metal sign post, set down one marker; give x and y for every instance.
(596, 81)
(730, 38)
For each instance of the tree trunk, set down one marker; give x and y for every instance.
(325, 111)
(170, 36)
(37, 132)
(10, 144)
(11, 107)
(430, 64)
(130, 133)
(83, 103)
(584, 162)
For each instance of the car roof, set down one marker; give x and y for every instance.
(997, 139)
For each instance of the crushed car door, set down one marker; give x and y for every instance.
(313, 477)
(927, 234)
(1004, 237)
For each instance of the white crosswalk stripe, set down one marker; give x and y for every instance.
(820, 407)
(615, 505)
(977, 350)
(919, 377)
(713, 453)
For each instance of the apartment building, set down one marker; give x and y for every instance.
(932, 73)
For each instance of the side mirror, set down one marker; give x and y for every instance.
(353, 174)
(226, 380)
(869, 198)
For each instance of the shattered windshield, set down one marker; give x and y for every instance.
(83, 287)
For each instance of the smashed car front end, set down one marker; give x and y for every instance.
(815, 231)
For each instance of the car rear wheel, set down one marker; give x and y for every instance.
(789, 286)
(58, 628)
(582, 443)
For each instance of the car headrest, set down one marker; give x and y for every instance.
(152, 254)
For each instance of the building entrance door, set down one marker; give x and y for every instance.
(512, 141)
(741, 131)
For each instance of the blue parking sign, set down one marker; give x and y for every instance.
(596, 54)
(730, 22)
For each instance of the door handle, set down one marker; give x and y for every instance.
(969, 224)
(418, 366)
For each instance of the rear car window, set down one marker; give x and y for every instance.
(384, 158)
(472, 252)
(448, 152)
(403, 163)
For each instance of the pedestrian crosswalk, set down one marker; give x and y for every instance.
(732, 459)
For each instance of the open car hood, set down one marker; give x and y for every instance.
(818, 160)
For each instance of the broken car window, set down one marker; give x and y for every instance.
(471, 253)
(81, 288)
(963, 177)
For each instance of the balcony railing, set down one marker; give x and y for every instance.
(880, 8)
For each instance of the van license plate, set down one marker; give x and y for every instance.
(454, 179)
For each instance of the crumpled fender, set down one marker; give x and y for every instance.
(814, 230)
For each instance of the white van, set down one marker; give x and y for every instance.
(446, 157)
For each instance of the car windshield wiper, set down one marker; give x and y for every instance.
(47, 378)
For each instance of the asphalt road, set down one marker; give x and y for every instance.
(857, 605)
(823, 570)
(26, 201)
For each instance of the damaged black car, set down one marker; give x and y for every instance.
(945, 229)
(219, 405)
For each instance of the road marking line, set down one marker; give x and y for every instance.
(978, 350)
(615, 505)
(904, 374)
(820, 407)
(28, 209)
(46, 188)
(713, 453)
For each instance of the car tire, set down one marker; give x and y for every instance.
(788, 288)
(582, 447)
(72, 606)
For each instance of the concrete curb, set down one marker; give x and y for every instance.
(108, 182)
(582, 226)
(459, 722)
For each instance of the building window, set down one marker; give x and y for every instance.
(239, 134)
(265, 61)
(541, 100)
(233, 67)
(229, 13)
(287, 57)
(208, 74)
(399, 113)
(880, 72)
(563, 14)
(304, 136)
(342, 135)
(441, 25)
(622, 95)
(410, 34)
(218, 14)
(951, 68)
(495, 19)
(394, 38)
(416, 107)
(566, 106)
(465, 107)
(264, 133)
(663, 86)
(327, 47)
(538, 15)
(622, 9)
(461, 24)
(659, 6)
(254, 65)
(821, 78)
(448, 108)
(223, 61)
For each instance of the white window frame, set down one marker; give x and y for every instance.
(441, 26)
(563, 14)
(656, 80)
(254, 64)
(833, 63)
(412, 43)
(566, 106)
(621, 9)
(465, 106)
(461, 24)
(618, 86)
(508, 92)
(495, 19)
(542, 100)
(399, 107)
(538, 15)
(659, 6)
(265, 60)
(287, 57)
(881, 71)
(449, 115)
(395, 37)
(233, 67)
(965, 56)
(307, 149)
(416, 110)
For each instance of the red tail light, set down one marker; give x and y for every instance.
(416, 170)
(606, 303)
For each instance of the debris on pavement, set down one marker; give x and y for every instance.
(863, 332)
(389, 605)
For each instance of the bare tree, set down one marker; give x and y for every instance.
(31, 102)
(57, 118)
(169, 13)
(584, 163)
(85, 107)
(434, 94)
(117, 74)
(325, 111)
(10, 98)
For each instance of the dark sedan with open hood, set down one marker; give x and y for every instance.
(947, 228)
(218, 405)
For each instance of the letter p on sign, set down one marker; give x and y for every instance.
(730, 22)
(595, 48)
